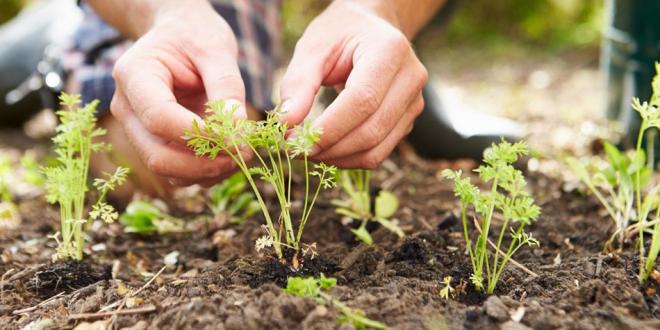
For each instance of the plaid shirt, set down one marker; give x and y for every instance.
(256, 24)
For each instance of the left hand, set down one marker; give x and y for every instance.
(359, 50)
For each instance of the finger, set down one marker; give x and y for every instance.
(312, 61)
(371, 159)
(366, 87)
(147, 87)
(374, 130)
(161, 157)
(222, 79)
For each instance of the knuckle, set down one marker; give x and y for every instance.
(155, 163)
(151, 121)
(213, 170)
(409, 128)
(230, 80)
(397, 42)
(121, 69)
(374, 135)
(371, 161)
(115, 108)
(367, 100)
(422, 76)
(418, 108)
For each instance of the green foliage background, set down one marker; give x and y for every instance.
(9, 8)
(543, 23)
(547, 23)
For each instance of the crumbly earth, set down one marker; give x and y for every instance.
(219, 281)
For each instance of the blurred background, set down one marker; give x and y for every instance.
(536, 62)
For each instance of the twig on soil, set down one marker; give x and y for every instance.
(30, 309)
(24, 273)
(83, 291)
(511, 260)
(2, 284)
(145, 309)
(149, 282)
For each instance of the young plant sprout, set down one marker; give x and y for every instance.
(5, 169)
(145, 218)
(613, 183)
(359, 207)
(9, 216)
(229, 200)
(624, 183)
(507, 195)
(66, 182)
(316, 289)
(267, 140)
(447, 290)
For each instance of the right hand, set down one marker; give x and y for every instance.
(188, 56)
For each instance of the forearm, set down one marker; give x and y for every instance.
(410, 16)
(133, 18)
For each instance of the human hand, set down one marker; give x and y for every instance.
(188, 56)
(359, 50)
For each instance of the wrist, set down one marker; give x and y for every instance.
(154, 12)
(406, 15)
(385, 9)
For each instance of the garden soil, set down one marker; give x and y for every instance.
(214, 278)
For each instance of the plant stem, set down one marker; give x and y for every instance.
(638, 197)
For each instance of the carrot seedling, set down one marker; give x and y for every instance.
(507, 195)
(623, 183)
(358, 206)
(316, 288)
(222, 133)
(67, 182)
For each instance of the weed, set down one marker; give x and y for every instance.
(316, 288)
(145, 218)
(229, 199)
(67, 182)
(447, 290)
(507, 195)
(359, 207)
(267, 140)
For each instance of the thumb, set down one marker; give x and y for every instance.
(302, 80)
(222, 80)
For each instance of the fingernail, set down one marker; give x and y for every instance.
(286, 106)
(241, 111)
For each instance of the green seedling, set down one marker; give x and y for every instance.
(32, 173)
(229, 200)
(624, 184)
(613, 183)
(358, 206)
(5, 169)
(222, 133)
(67, 182)
(145, 218)
(650, 114)
(447, 291)
(316, 288)
(507, 195)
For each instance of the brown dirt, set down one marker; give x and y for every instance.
(395, 282)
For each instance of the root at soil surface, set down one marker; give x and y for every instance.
(67, 276)
(275, 270)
